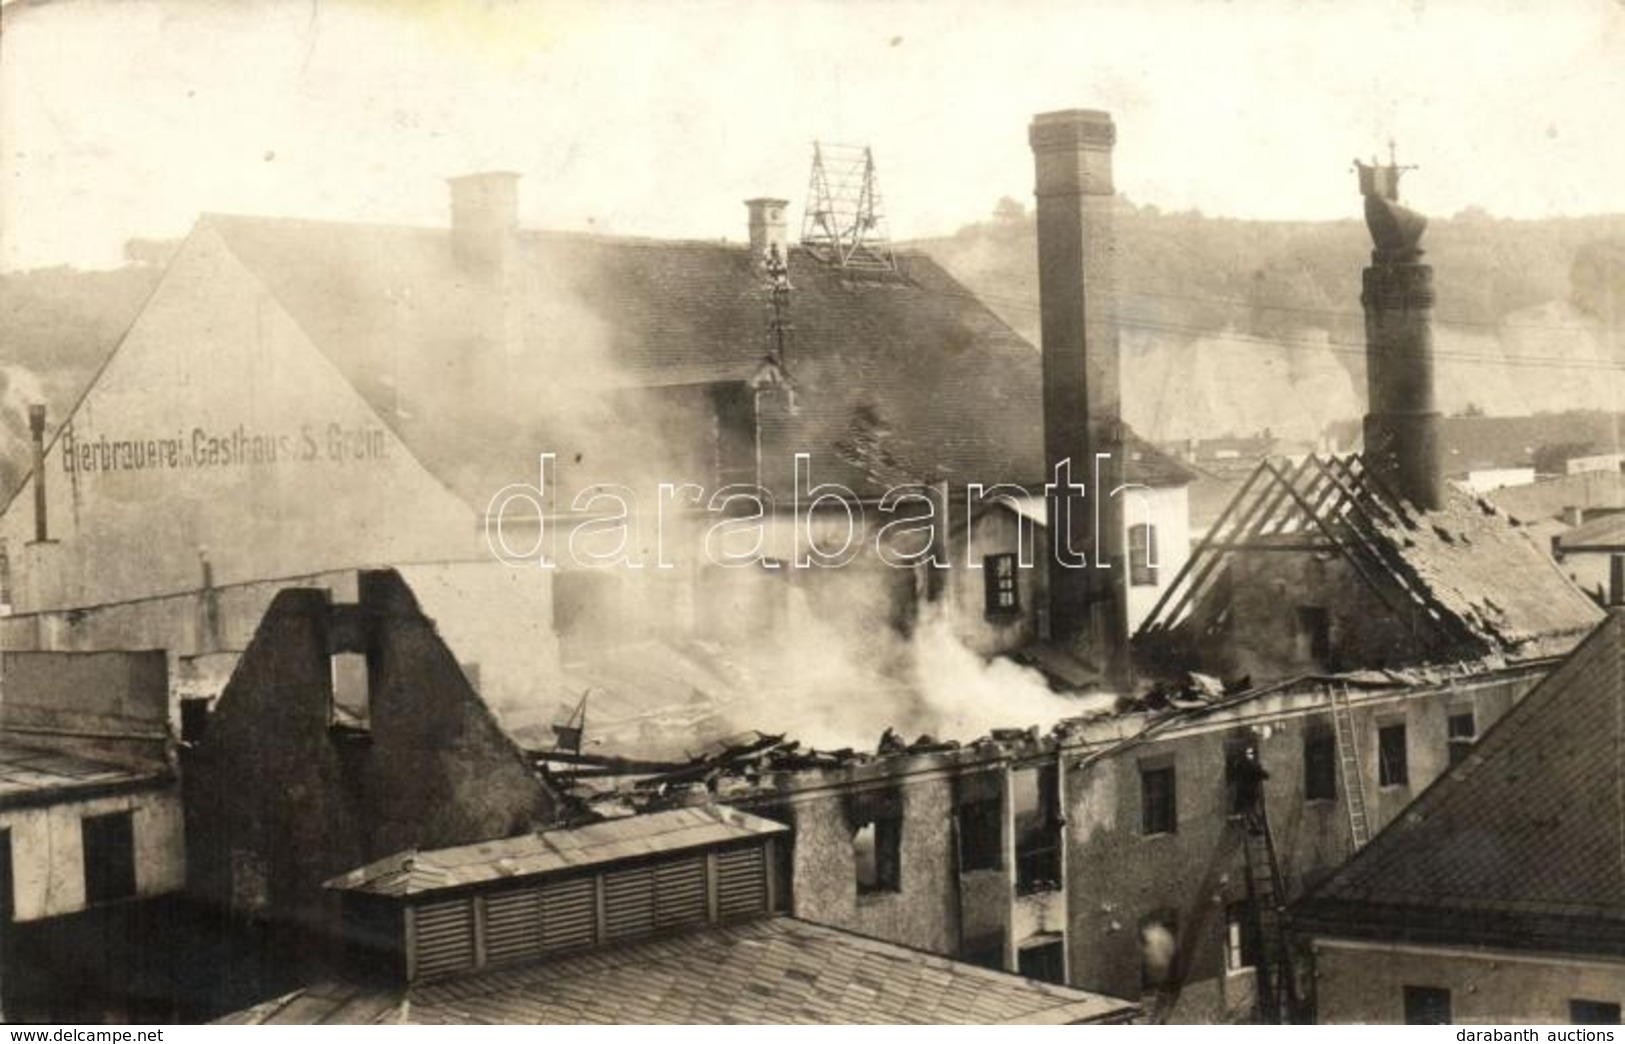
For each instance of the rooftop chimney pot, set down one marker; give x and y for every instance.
(767, 226)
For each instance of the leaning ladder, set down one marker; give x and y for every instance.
(1276, 997)
(1348, 764)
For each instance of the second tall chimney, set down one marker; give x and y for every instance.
(1072, 158)
(1401, 423)
(36, 431)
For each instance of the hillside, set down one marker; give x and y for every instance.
(1229, 327)
(1234, 327)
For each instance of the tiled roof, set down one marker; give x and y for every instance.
(31, 776)
(415, 873)
(775, 970)
(1523, 843)
(901, 379)
(1605, 533)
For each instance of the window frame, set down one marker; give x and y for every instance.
(1418, 999)
(1241, 942)
(1001, 586)
(107, 880)
(1153, 825)
(1392, 772)
(1460, 744)
(1320, 736)
(883, 812)
(1585, 1012)
(1142, 567)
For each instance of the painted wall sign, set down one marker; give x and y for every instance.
(202, 448)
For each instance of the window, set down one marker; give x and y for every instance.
(980, 802)
(1427, 1006)
(1003, 596)
(876, 820)
(1462, 731)
(8, 908)
(1045, 962)
(194, 718)
(1392, 768)
(1158, 811)
(1314, 634)
(1593, 1013)
(109, 853)
(1035, 799)
(1240, 938)
(351, 689)
(984, 951)
(1320, 764)
(1142, 555)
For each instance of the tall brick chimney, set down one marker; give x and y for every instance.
(767, 226)
(485, 220)
(1072, 158)
(36, 432)
(1401, 423)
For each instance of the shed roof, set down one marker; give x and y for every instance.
(32, 775)
(775, 970)
(551, 851)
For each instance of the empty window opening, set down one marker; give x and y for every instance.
(1427, 1006)
(352, 694)
(1044, 961)
(109, 855)
(1314, 635)
(1158, 808)
(1036, 802)
(194, 717)
(1392, 767)
(1159, 949)
(1320, 764)
(1593, 1013)
(876, 821)
(980, 801)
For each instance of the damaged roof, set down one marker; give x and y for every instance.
(1483, 583)
(1522, 844)
(900, 378)
(550, 851)
(771, 971)
(34, 776)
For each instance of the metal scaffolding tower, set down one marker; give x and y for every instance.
(844, 222)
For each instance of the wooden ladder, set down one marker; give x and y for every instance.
(1348, 764)
(1277, 993)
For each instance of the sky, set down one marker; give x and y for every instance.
(129, 118)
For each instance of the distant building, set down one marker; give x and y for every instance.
(1498, 897)
(91, 836)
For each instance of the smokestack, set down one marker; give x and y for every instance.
(1616, 581)
(485, 220)
(1402, 423)
(767, 229)
(36, 429)
(1072, 158)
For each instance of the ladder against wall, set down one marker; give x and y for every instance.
(1348, 764)
(1277, 985)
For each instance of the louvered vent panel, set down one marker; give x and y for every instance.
(680, 892)
(741, 882)
(569, 914)
(629, 907)
(445, 937)
(513, 925)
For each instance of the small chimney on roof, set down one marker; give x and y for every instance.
(767, 226)
(36, 431)
(484, 219)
